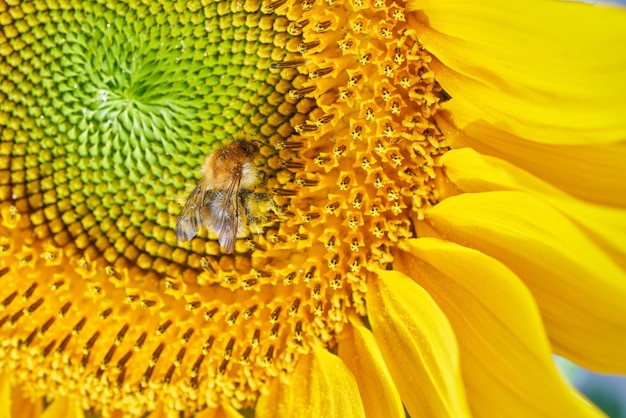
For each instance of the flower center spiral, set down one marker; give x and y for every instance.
(108, 111)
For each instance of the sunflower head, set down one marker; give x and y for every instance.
(108, 111)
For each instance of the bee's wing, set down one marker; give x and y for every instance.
(190, 219)
(224, 219)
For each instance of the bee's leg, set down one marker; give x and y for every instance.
(262, 176)
(260, 210)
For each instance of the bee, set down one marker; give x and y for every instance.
(224, 201)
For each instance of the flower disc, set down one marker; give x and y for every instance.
(110, 109)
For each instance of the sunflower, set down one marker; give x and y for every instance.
(445, 207)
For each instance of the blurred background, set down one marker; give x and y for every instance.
(606, 391)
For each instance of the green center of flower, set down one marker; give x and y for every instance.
(128, 95)
(115, 106)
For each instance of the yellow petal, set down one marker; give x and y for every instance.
(158, 412)
(361, 354)
(472, 172)
(13, 403)
(547, 71)
(5, 396)
(505, 355)
(592, 173)
(418, 346)
(579, 289)
(320, 386)
(63, 407)
(24, 407)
